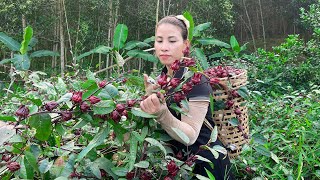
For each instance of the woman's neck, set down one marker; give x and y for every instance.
(170, 71)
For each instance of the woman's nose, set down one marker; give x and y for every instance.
(164, 47)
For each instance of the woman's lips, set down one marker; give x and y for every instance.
(164, 56)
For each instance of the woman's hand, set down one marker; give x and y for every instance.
(152, 104)
(149, 87)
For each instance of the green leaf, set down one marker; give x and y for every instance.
(102, 163)
(263, 150)
(243, 92)
(214, 152)
(211, 104)
(90, 86)
(4, 61)
(216, 55)
(154, 142)
(7, 118)
(220, 149)
(142, 54)
(133, 44)
(28, 33)
(5, 134)
(120, 36)
(203, 159)
(185, 104)
(200, 177)
(100, 49)
(109, 92)
(97, 140)
(219, 105)
(31, 160)
(199, 28)
(234, 122)
(212, 41)
(42, 124)
(258, 138)
(61, 86)
(189, 17)
(202, 58)
(274, 157)
(234, 44)
(21, 62)
(120, 171)
(214, 134)
(133, 152)
(142, 164)
(65, 98)
(150, 39)
(42, 53)
(137, 136)
(138, 112)
(181, 135)
(178, 109)
(104, 107)
(33, 42)
(29, 171)
(210, 174)
(9, 42)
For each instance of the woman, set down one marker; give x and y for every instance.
(170, 42)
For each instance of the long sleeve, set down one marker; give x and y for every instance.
(189, 125)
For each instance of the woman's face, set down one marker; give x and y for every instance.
(169, 43)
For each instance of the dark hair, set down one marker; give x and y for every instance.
(176, 22)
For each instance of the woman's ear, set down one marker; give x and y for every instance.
(186, 44)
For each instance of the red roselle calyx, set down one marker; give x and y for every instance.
(162, 81)
(214, 81)
(13, 166)
(146, 175)
(102, 84)
(235, 94)
(175, 65)
(187, 87)
(22, 111)
(124, 113)
(178, 97)
(179, 155)
(167, 178)
(77, 97)
(131, 103)
(94, 99)
(186, 52)
(130, 175)
(189, 62)
(229, 104)
(5, 158)
(49, 106)
(120, 107)
(172, 168)
(115, 115)
(75, 174)
(103, 173)
(237, 112)
(66, 116)
(196, 78)
(84, 107)
(174, 82)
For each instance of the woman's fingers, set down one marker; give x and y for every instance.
(151, 104)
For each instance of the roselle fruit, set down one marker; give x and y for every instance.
(94, 99)
(175, 65)
(186, 52)
(5, 157)
(49, 106)
(179, 155)
(77, 97)
(124, 113)
(235, 94)
(240, 127)
(237, 112)
(162, 81)
(66, 115)
(196, 78)
(115, 115)
(172, 168)
(13, 166)
(103, 173)
(187, 87)
(84, 107)
(120, 107)
(189, 62)
(130, 175)
(145, 175)
(229, 104)
(178, 97)
(214, 81)
(22, 111)
(131, 103)
(102, 84)
(174, 82)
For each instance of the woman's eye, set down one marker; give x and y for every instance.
(159, 41)
(172, 41)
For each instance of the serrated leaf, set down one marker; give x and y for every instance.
(181, 135)
(202, 58)
(142, 164)
(97, 140)
(154, 142)
(120, 36)
(90, 86)
(104, 107)
(42, 124)
(138, 112)
(133, 152)
(234, 122)
(108, 92)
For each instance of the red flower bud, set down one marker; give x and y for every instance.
(13, 166)
(162, 81)
(115, 116)
(196, 78)
(5, 158)
(77, 97)
(187, 87)
(214, 81)
(172, 168)
(22, 111)
(120, 107)
(84, 107)
(235, 94)
(186, 52)
(175, 65)
(102, 84)
(130, 175)
(174, 82)
(178, 96)
(189, 62)
(130, 103)
(229, 104)
(49, 106)
(94, 99)
(237, 112)
(66, 115)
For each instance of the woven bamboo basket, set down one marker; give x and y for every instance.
(229, 135)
